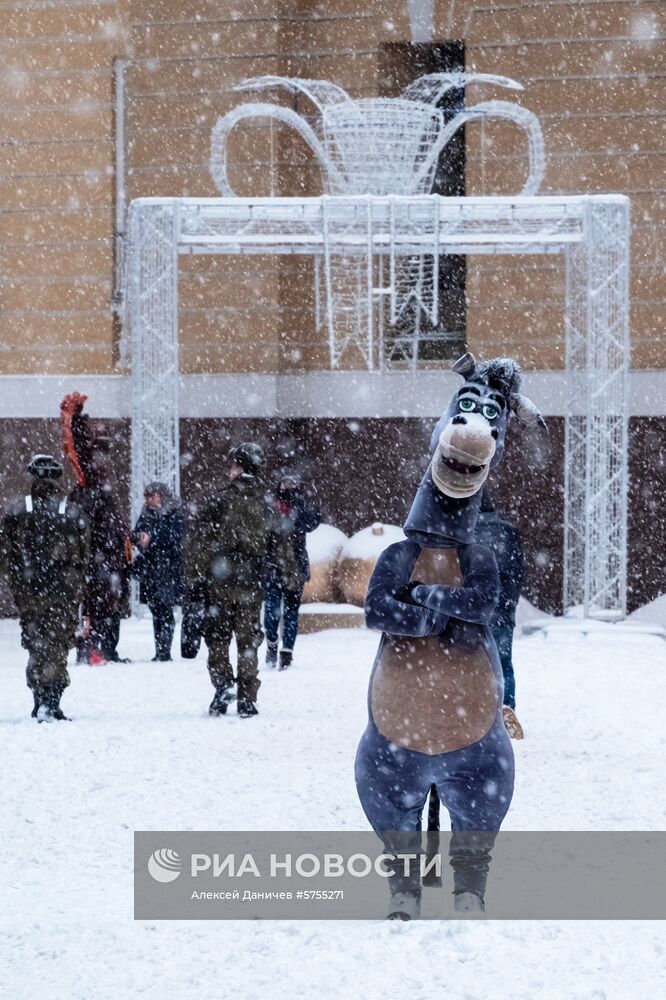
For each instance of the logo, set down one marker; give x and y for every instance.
(165, 865)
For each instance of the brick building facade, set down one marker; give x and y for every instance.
(593, 73)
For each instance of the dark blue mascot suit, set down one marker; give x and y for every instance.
(436, 690)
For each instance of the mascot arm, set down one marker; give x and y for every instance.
(385, 611)
(473, 602)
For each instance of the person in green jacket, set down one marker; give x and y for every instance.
(226, 547)
(45, 553)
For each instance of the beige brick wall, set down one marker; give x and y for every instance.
(185, 59)
(56, 185)
(593, 72)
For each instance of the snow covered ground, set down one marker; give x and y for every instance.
(143, 754)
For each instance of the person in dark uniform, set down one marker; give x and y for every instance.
(503, 539)
(158, 535)
(226, 549)
(45, 553)
(287, 566)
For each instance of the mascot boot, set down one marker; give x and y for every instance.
(405, 906)
(468, 902)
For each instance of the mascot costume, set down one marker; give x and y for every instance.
(435, 698)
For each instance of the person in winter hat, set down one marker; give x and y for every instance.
(436, 689)
(287, 566)
(225, 552)
(503, 539)
(45, 553)
(158, 536)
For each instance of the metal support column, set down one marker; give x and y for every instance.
(596, 444)
(153, 312)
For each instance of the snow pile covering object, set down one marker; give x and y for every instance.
(324, 545)
(359, 556)
(371, 542)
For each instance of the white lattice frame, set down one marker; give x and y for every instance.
(591, 231)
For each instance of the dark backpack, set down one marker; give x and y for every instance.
(234, 537)
(48, 544)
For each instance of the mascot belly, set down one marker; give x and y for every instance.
(434, 694)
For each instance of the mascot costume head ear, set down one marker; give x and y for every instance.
(467, 443)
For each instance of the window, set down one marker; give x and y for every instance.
(399, 64)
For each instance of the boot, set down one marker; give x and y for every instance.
(271, 654)
(163, 644)
(95, 658)
(57, 692)
(223, 697)
(82, 651)
(50, 710)
(511, 724)
(468, 902)
(285, 658)
(37, 698)
(404, 906)
(247, 708)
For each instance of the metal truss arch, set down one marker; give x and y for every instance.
(369, 244)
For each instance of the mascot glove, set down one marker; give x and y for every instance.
(406, 593)
(419, 593)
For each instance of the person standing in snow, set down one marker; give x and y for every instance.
(225, 553)
(503, 539)
(106, 594)
(158, 535)
(45, 553)
(287, 567)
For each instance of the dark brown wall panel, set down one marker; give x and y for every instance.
(368, 470)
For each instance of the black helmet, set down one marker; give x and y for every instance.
(45, 467)
(249, 456)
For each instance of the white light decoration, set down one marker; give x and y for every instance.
(377, 235)
(378, 146)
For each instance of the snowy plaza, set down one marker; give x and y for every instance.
(143, 754)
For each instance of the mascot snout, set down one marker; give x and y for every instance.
(461, 462)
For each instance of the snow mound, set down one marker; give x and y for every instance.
(655, 612)
(527, 612)
(324, 543)
(370, 542)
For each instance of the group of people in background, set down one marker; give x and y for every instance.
(247, 547)
(69, 560)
